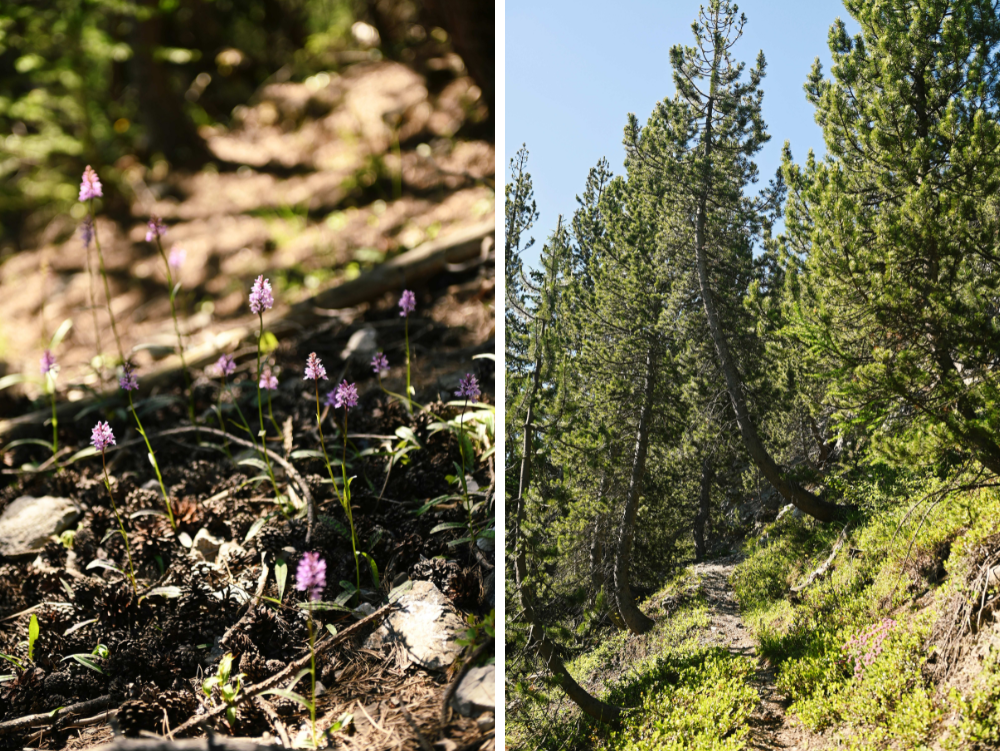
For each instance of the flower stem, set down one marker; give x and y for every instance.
(270, 414)
(152, 459)
(55, 420)
(312, 657)
(177, 330)
(222, 421)
(406, 334)
(107, 287)
(121, 526)
(260, 412)
(345, 500)
(347, 507)
(465, 487)
(93, 310)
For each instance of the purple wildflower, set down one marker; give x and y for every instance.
(345, 396)
(380, 363)
(226, 365)
(155, 228)
(48, 363)
(311, 576)
(314, 369)
(407, 303)
(261, 298)
(128, 381)
(90, 185)
(468, 387)
(268, 380)
(177, 256)
(87, 232)
(102, 437)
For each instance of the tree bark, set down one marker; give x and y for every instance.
(161, 109)
(596, 562)
(593, 706)
(790, 490)
(637, 621)
(704, 506)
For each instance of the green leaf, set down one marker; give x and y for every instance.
(268, 343)
(434, 502)
(448, 525)
(256, 527)
(60, 334)
(28, 441)
(303, 672)
(485, 356)
(323, 605)
(254, 462)
(281, 576)
(284, 693)
(99, 563)
(399, 591)
(10, 380)
(306, 454)
(342, 723)
(373, 567)
(83, 454)
(77, 626)
(331, 628)
(55, 711)
(456, 543)
(32, 636)
(168, 592)
(86, 660)
(407, 434)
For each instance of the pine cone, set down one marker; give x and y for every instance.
(84, 545)
(118, 607)
(55, 553)
(136, 715)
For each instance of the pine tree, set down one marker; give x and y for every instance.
(701, 144)
(896, 230)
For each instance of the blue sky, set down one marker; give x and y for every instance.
(573, 70)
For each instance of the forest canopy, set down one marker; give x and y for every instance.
(699, 353)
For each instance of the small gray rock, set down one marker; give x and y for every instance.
(27, 523)
(425, 625)
(477, 692)
(362, 345)
(205, 546)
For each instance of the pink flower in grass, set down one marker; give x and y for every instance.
(407, 303)
(102, 437)
(311, 576)
(314, 369)
(90, 185)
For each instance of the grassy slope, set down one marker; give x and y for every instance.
(854, 652)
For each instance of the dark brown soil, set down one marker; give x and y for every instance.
(236, 224)
(160, 647)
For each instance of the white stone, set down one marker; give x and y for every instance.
(425, 626)
(205, 546)
(28, 523)
(477, 692)
(362, 345)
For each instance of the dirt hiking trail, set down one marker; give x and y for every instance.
(771, 728)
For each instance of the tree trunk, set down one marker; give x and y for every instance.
(161, 109)
(704, 506)
(635, 619)
(596, 562)
(593, 706)
(790, 490)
